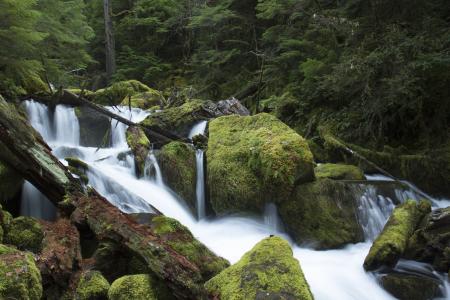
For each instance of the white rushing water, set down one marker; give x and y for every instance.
(200, 181)
(332, 274)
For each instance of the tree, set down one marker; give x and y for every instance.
(110, 40)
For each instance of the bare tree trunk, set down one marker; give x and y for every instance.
(110, 41)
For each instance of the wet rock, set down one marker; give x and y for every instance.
(140, 146)
(200, 141)
(322, 214)
(95, 128)
(78, 167)
(253, 160)
(25, 233)
(92, 286)
(339, 172)
(410, 287)
(392, 241)
(10, 183)
(268, 271)
(178, 168)
(19, 276)
(231, 106)
(431, 241)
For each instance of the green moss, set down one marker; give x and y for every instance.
(252, 160)
(92, 286)
(181, 240)
(145, 100)
(392, 241)
(5, 220)
(178, 167)
(268, 269)
(26, 234)
(10, 183)
(319, 153)
(19, 276)
(140, 146)
(180, 119)
(339, 172)
(132, 287)
(117, 92)
(77, 163)
(322, 214)
(410, 287)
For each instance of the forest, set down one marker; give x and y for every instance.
(224, 149)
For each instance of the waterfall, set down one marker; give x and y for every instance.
(271, 218)
(35, 204)
(200, 181)
(151, 165)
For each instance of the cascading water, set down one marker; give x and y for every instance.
(332, 274)
(34, 204)
(200, 182)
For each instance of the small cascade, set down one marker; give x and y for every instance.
(34, 204)
(271, 218)
(118, 129)
(152, 171)
(200, 182)
(39, 117)
(66, 126)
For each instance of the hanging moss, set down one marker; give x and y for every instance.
(252, 160)
(392, 241)
(268, 271)
(26, 234)
(339, 172)
(19, 276)
(132, 287)
(92, 286)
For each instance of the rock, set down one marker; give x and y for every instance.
(430, 243)
(78, 167)
(410, 287)
(231, 106)
(322, 214)
(200, 141)
(19, 276)
(178, 168)
(10, 183)
(118, 92)
(94, 127)
(392, 241)
(181, 240)
(180, 119)
(318, 151)
(140, 146)
(92, 286)
(268, 271)
(339, 172)
(144, 100)
(133, 287)
(5, 221)
(25, 233)
(253, 160)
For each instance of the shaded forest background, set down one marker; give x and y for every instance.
(377, 72)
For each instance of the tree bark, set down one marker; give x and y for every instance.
(110, 41)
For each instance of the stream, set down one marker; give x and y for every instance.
(331, 274)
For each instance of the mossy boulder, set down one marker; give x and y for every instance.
(268, 271)
(393, 240)
(180, 119)
(133, 287)
(78, 167)
(178, 168)
(19, 276)
(95, 128)
(144, 100)
(10, 183)
(410, 287)
(252, 160)
(318, 151)
(92, 286)
(322, 214)
(140, 146)
(118, 92)
(430, 243)
(5, 221)
(339, 172)
(25, 233)
(181, 240)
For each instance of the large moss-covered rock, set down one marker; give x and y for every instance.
(137, 287)
(268, 271)
(92, 286)
(392, 241)
(178, 167)
(339, 172)
(95, 128)
(10, 183)
(149, 99)
(322, 214)
(180, 119)
(19, 276)
(118, 92)
(25, 233)
(430, 243)
(253, 160)
(410, 287)
(140, 146)
(182, 241)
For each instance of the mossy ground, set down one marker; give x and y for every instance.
(19, 276)
(268, 268)
(392, 241)
(139, 287)
(178, 167)
(339, 172)
(92, 286)
(252, 160)
(26, 234)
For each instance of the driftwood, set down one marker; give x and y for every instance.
(22, 148)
